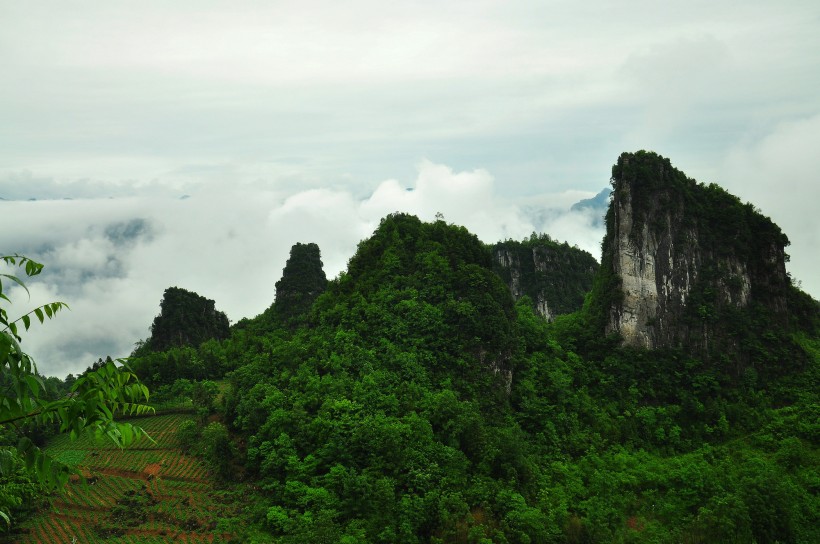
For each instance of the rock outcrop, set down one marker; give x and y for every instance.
(185, 319)
(688, 264)
(556, 277)
(303, 280)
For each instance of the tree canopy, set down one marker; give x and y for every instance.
(185, 319)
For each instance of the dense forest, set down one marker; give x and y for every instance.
(415, 399)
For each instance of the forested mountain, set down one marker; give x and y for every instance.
(303, 280)
(416, 401)
(554, 276)
(182, 337)
(413, 399)
(695, 266)
(185, 319)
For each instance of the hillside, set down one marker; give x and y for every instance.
(149, 493)
(421, 397)
(556, 277)
(419, 404)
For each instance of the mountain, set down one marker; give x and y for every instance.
(596, 205)
(688, 265)
(554, 276)
(185, 319)
(424, 396)
(303, 280)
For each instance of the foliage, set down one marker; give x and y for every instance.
(385, 418)
(303, 280)
(185, 319)
(545, 270)
(415, 401)
(92, 404)
(150, 493)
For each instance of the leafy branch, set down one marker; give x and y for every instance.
(92, 404)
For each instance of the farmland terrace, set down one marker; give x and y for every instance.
(148, 493)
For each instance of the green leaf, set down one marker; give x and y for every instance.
(127, 434)
(35, 384)
(5, 347)
(26, 321)
(39, 313)
(16, 280)
(6, 462)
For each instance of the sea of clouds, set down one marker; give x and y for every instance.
(110, 251)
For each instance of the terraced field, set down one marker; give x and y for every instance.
(148, 493)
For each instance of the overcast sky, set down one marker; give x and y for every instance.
(192, 143)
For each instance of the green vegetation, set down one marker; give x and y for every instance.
(31, 407)
(413, 400)
(185, 319)
(303, 279)
(545, 270)
(150, 493)
(416, 402)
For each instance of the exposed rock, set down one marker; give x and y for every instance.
(554, 276)
(689, 261)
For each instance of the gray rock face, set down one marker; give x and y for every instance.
(554, 276)
(509, 260)
(686, 257)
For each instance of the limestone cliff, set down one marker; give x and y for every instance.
(554, 276)
(686, 264)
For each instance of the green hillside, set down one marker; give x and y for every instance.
(148, 493)
(418, 403)
(414, 400)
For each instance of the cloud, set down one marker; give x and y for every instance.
(464, 198)
(301, 121)
(111, 259)
(175, 93)
(778, 173)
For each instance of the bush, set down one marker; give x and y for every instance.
(188, 436)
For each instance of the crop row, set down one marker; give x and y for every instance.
(186, 467)
(180, 483)
(129, 459)
(162, 429)
(103, 493)
(157, 424)
(57, 530)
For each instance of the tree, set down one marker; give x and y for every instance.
(91, 405)
(185, 319)
(303, 280)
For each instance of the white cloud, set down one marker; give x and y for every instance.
(464, 198)
(283, 119)
(111, 260)
(778, 174)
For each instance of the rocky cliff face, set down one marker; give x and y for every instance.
(688, 264)
(554, 276)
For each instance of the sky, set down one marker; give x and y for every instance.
(191, 143)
